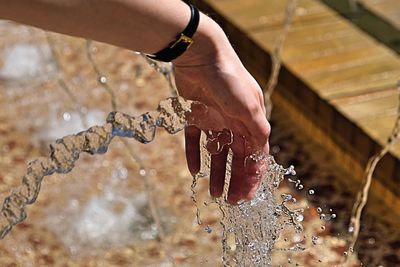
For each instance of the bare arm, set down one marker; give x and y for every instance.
(209, 71)
(146, 26)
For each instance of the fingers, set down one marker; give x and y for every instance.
(244, 176)
(217, 175)
(237, 179)
(192, 145)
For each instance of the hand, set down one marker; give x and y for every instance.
(211, 72)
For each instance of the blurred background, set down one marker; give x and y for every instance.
(335, 105)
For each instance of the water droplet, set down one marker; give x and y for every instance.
(371, 241)
(314, 239)
(290, 170)
(323, 228)
(275, 149)
(103, 79)
(327, 217)
(66, 116)
(299, 217)
(300, 187)
(208, 229)
(296, 239)
(319, 210)
(142, 172)
(286, 197)
(311, 192)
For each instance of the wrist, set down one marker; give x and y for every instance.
(208, 41)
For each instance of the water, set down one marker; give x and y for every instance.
(110, 219)
(362, 196)
(286, 199)
(102, 79)
(25, 61)
(172, 114)
(290, 12)
(66, 151)
(254, 226)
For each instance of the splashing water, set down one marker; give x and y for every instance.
(255, 225)
(251, 228)
(173, 114)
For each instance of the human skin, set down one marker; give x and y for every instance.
(209, 72)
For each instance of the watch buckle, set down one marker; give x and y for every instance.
(185, 39)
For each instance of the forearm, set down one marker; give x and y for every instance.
(139, 25)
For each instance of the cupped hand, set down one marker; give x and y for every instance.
(235, 102)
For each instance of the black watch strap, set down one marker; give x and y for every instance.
(183, 42)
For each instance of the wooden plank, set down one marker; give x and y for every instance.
(342, 59)
(367, 106)
(362, 84)
(254, 14)
(358, 79)
(301, 37)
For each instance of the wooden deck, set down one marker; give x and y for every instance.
(338, 81)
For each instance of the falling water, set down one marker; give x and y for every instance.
(173, 114)
(276, 55)
(254, 225)
(362, 196)
(166, 69)
(103, 81)
(62, 83)
(251, 228)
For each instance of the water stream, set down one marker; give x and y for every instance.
(362, 195)
(172, 114)
(250, 229)
(254, 226)
(290, 11)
